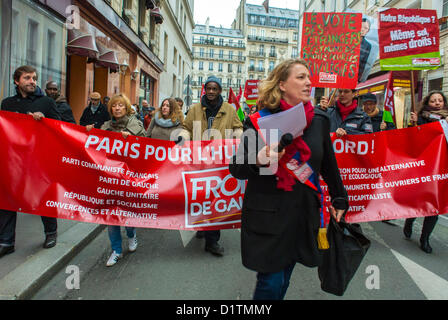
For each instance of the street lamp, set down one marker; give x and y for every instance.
(134, 74)
(123, 67)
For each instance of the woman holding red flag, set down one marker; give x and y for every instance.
(281, 211)
(434, 107)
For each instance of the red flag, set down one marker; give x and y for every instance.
(389, 104)
(238, 97)
(202, 90)
(266, 5)
(233, 100)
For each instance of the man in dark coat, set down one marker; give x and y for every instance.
(369, 105)
(52, 90)
(28, 100)
(346, 117)
(95, 114)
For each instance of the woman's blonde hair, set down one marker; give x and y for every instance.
(119, 98)
(175, 111)
(269, 93)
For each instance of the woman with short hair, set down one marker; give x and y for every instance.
(120, 110)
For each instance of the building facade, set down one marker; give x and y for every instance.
(220, 52)
(85, 46)
(271, 37)
(174, 43)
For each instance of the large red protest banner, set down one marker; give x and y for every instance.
(395, 174)
(58, 169)
(331, 44)
(409, 39)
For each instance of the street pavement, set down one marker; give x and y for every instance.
(172, 265)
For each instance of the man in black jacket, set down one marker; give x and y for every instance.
(346, 117)
(369, 105)
(64, 109)
(29, 100)
(95, 114)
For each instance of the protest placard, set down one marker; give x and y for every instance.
(331, 45)
(409, 39)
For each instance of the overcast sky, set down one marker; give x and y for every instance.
(222, 12)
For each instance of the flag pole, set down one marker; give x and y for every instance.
(412, 96)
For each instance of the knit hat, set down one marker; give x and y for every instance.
(213, 79)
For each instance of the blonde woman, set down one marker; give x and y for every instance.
(281, 214)
(120, 111)
(168, 118)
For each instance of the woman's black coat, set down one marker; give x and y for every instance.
(278, 227)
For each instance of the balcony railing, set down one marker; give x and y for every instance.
(255, 69)
(223, 57)
(266, 39)
(219, 43)
(258, 54)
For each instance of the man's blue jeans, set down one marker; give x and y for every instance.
(273, 285)
(115, 236)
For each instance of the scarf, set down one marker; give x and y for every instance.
(120, 124)
(346, 110)
(285, 180)
(428, 111)
(164, 123)
(374, 113)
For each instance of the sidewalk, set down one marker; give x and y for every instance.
(24, 271)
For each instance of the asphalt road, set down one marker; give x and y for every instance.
(172, 265)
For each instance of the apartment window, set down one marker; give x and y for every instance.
(221, 54)
(200, 80)
(229, 67)
(230, 54)
(445, 8)
(239, 68)
(211, 53)
(294, 52)
(295, 36)
(262, 33)
(220, 67)
(229, 82)
(201, 52)
(201, 39)
(261, 49)
(175, 57)
(201, 65)
(262, 20)
(271, 65)
(165, 45)
(253, 32)
(210, 66)
(31, 43)
(240, 43)
(252, 63)
(221, 41)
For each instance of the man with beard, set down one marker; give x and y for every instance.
(28, 100)
(203, 122)
(63, 107)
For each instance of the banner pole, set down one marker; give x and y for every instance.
(412, 95)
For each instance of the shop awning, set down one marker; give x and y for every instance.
(157, 15)
(107, 58)
(378, 82)
(400, 79)
(81, 44)
(150, 4)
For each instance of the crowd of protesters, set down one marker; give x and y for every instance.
(269, 246)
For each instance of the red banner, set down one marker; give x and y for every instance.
(395, 174)
(58, 169)
(409, 39)
(331, 44)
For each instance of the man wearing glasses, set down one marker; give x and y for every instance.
(95, 114)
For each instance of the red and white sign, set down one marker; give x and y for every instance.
(251, 89)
